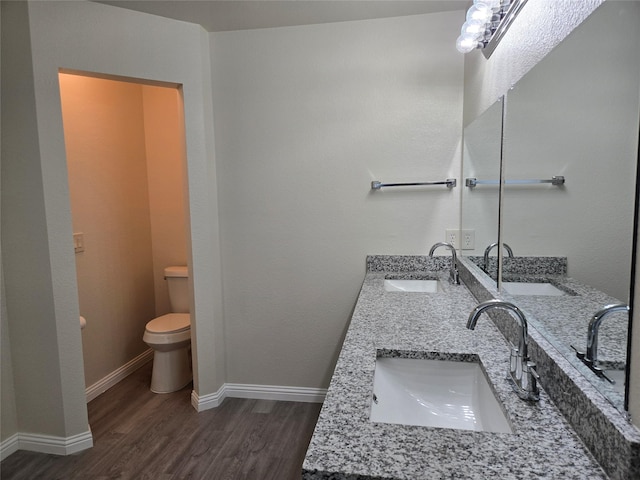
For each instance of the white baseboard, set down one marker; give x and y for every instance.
(114, 377)
(258, 392)
(273, 392)
(205, 402)
(9, 446)
(46, 444)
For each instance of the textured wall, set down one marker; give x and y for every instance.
(306, 117)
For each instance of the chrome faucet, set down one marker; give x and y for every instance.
(522, 371)
(590, 358)
(487, 251)
(454, 277)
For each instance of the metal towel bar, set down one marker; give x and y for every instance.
(449, 182)
(472, 182)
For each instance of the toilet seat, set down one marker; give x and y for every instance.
(169, 323)
(172, 330)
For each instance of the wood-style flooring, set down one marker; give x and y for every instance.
(141, 435)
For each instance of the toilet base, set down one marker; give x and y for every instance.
(171, 370)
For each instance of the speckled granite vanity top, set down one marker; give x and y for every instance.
(347, 445)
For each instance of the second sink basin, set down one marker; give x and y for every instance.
(435, 393)
(401, 285)
(533, 288)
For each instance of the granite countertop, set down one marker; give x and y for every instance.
(347, 445)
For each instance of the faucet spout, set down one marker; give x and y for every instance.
(522, 371)
(590, 357)
(487, 251)
(594, 326)
(454, 277)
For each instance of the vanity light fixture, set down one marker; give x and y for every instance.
(487, 22)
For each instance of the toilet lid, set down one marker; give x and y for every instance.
(171, 322)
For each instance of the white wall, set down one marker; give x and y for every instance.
(8, 415)
(305, 119)
(86, 36)
(48, 380)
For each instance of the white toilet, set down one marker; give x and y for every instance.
(170, 337)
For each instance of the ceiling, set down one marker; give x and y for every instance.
(225, 15)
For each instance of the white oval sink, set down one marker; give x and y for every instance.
(435, 393)
(401, 285)
(533, 288)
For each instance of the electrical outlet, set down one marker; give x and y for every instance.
(468, 238)
(452, 236)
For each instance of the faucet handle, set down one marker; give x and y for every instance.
(531, 368)
(514, 360)
(530, 381)
(592, 365)
(454, 276)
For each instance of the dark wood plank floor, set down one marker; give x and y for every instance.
(141, 435)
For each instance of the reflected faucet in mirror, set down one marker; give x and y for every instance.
(522, 371)
(487, 251)
(590, 358)
(454, 277)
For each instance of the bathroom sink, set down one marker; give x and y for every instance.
(401, 285)
(435, 393)
(533, 288)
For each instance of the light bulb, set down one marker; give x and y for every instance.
(492, 4)
(473, 28)
(466, 44)
(480, 11)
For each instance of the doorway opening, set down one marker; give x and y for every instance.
(126, 163)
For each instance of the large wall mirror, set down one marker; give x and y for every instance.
(574, 115)
(481, 160)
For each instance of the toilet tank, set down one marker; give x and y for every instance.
(177, 282)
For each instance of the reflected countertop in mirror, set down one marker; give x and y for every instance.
(564, 320)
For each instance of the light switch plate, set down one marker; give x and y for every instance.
(78, 242)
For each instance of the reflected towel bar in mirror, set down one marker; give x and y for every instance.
(449, 182)
(472, 182)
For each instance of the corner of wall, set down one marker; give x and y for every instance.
(8, 415)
